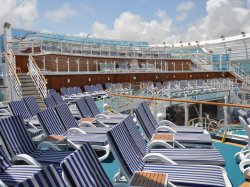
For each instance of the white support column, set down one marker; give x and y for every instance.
(186, 111)
(225, 119)
(56, 64)
(44, 66)
(96, 65)
(68, 64)
(87, 65)
(155, 65)
(161, 65)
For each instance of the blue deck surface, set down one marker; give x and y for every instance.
(227, 151)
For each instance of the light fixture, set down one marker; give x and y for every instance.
(223, 37)
(243, 33)
(189, 44)
(6, 25)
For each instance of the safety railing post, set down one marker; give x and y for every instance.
(186, 111)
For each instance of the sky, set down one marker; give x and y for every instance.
(154, 21)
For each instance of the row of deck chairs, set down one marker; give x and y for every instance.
(121, 149)
(243, 156)
(192, 87)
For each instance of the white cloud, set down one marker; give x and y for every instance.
(183, 9)
(129, 26)
(22, 14)
(63, 12)
(224, 17)
(185, 6)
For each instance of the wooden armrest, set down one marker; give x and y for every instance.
(148, 179)
(91, 120)
(52, 138)
(162, 136)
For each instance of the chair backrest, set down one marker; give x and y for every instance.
(51, 123)
(92, 105)
(124, 151)
(58, 98)
(88, 89)
(72, 91)
(99, 86)
(149, 114)
(47, 177)
(82, 168)
(31, 104)
(4, 161)
(83, 108)
(64, 91)
(108, 85)
(145, 122)
(135, 135)
(15, 136)
(66, 116)
(49, 102)
(94, 88)
(78, 90)
(18, 108)
(51, 92)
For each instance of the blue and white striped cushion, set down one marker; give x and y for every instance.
(92, 105)
(72, 91)
(50, 102)
(32, 105)
(58, 99)
(83, 108)
(83, 169)
(88, 89)
(15, 136)
(18, 173)
(47, 177)
(128, 157)
(149, 114)
(51, 91)
(64, 91)
(135, 135)
(190, 175)
(99, 86)
(78, 90)
(146, 124)
(66, 116)
(4, 161)
(18, 108)
(51, 122)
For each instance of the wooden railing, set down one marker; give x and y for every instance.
(37, 77)
(15, 84)
(179, 100)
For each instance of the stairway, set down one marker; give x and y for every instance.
(29, 88)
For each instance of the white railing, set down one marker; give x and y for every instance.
(202, 64)
(11, 55)
(239, 73)
(37, 77)
(15, 84)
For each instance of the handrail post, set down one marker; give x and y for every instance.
(87, 65)
(225, 119)
(44, 67)
(186, 111)
(56, 64)
(68, 64)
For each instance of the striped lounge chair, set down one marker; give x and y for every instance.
(32, 105)
(70, 122)
(52, 125)
(51, 91)
(178, 174)
(187, 139)
(96, 112)
(169, 124)
(10, 174)
(19, 143)
(181, 156)
(102, 120)
(49, 102)
(18, 108)
(47, 177)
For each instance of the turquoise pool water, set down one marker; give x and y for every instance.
(227, 151)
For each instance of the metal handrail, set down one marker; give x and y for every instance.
(37, 77)
(241, 74)
(11, 55)
(13, 78)
(179, 100)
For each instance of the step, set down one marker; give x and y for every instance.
(27, 84)
(26, 81)
(28, 88)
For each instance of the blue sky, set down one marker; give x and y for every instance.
(149, 20)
